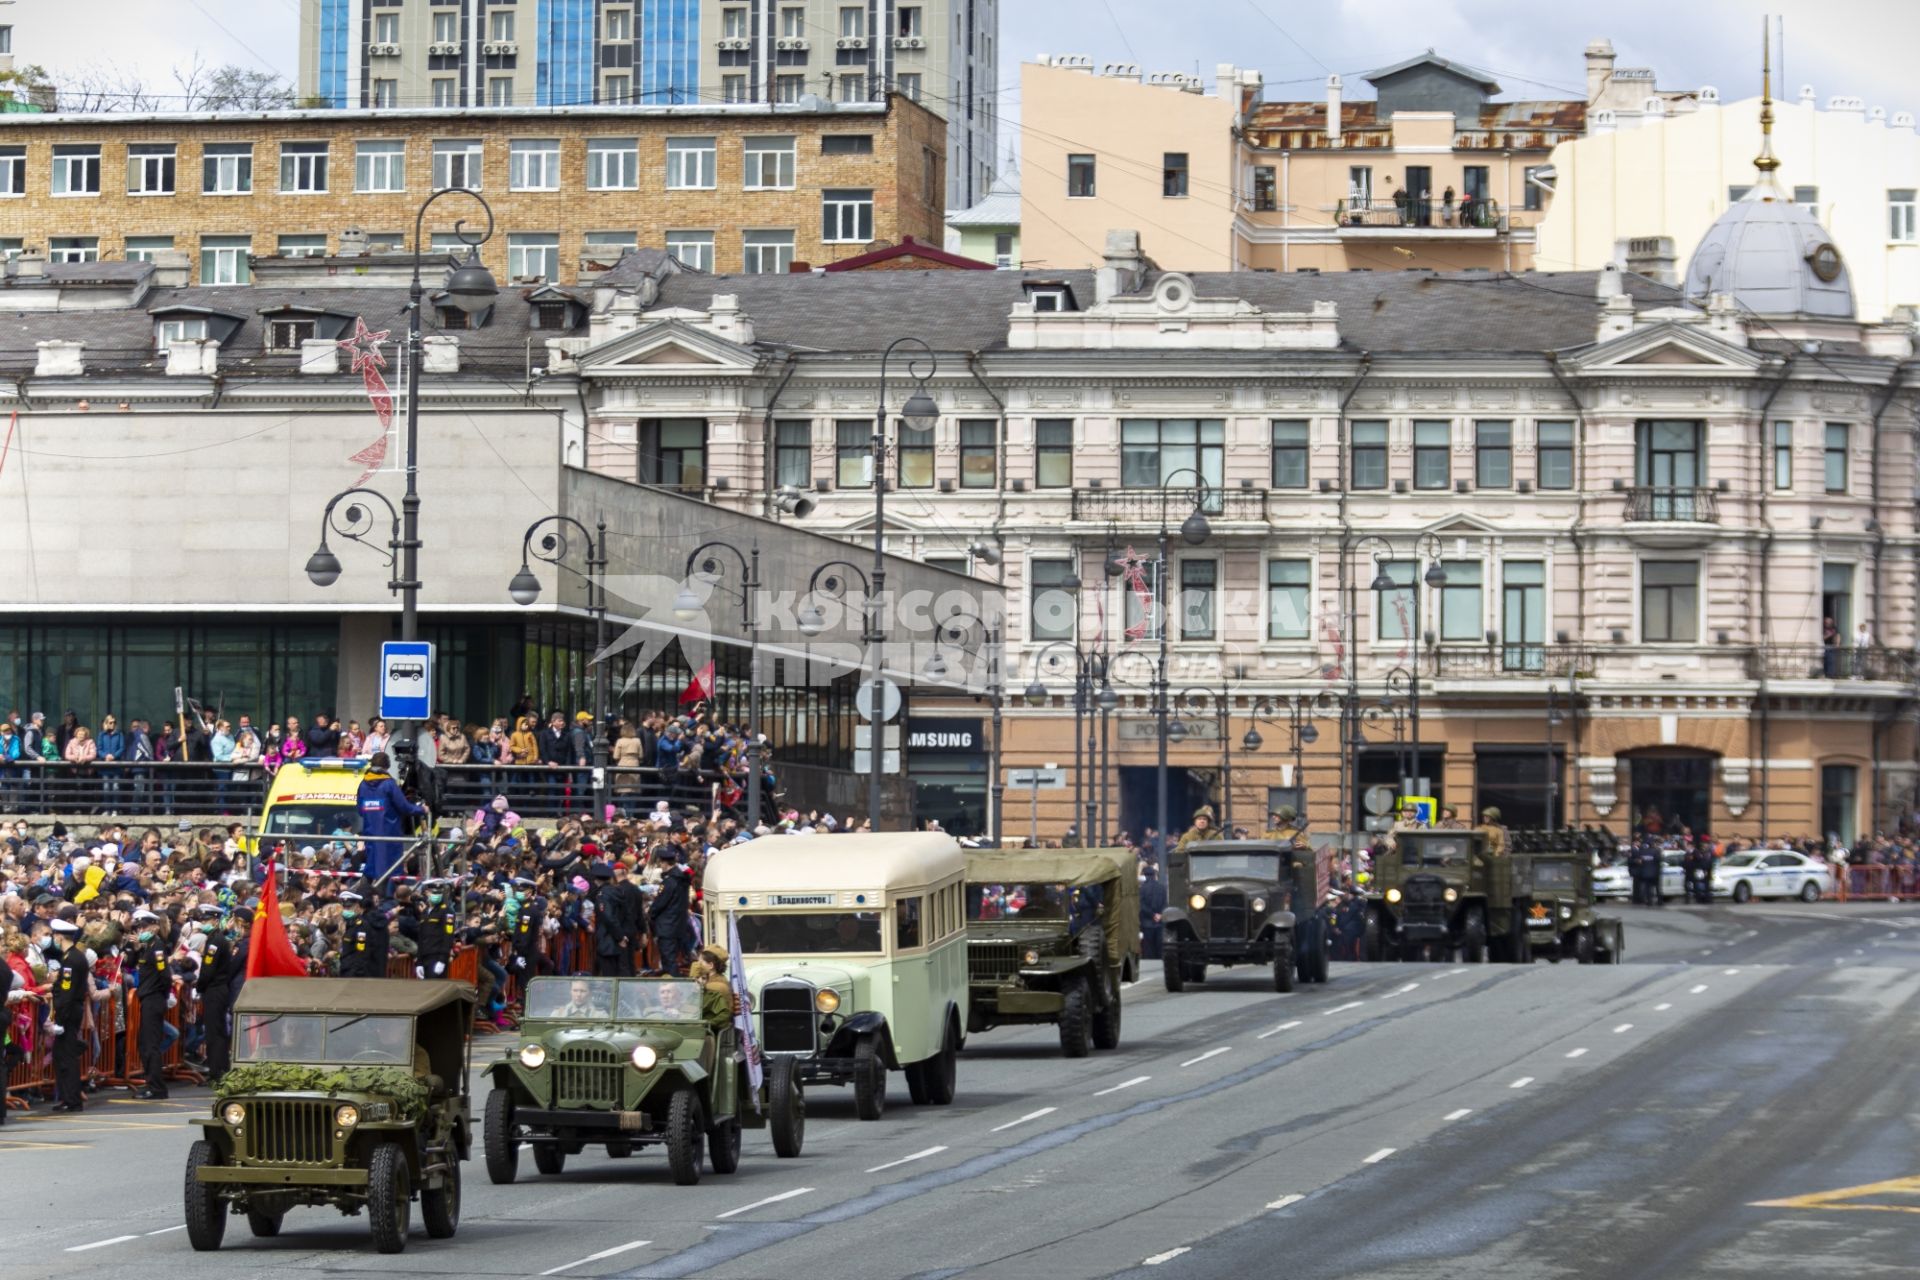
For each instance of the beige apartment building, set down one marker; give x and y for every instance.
(1431, 172)
(723, 188)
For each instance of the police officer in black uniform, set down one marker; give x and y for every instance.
(525, 932)
(215, 985)
(72, 978)
(439, 924)
(363, 938)
(154, 989)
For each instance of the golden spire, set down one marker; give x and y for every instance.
(1766, 162)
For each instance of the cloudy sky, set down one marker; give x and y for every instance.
(1854, 47)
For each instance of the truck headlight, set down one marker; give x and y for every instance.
(347, 1116)
(1393, 895)
(644, 1057)
(1451, 895)
(1259, 904)
(533, 1056)
(1198, 901)
(1031, 957)
(234, 1114)
(826, 1000)
(1566, 913)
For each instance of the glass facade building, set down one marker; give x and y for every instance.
(667, 62)
(566, 75)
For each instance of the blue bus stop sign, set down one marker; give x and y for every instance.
(406, 679)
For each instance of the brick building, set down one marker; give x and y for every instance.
(725, 188)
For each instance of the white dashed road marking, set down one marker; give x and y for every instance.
(604, 1253)
(1285, 1026)
(1400, 991)
(1576, 1053)
(1284, 1201)
(1211, 1053)
(761, 1204)
(162, 1231)
(1697, 989)
(1351, 1004)
(1521, 1083)
(1379, 1155)
(100, 1244)
(1124, 1084)
(918, 1155)
(1661, 1008)
(1731, 972)
(1031, 1115)
(1168, 1256)
(1625, 1026)
(1461, 1114)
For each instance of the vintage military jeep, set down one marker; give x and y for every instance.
(1051, 935)
(1560, 919)
(350, 1092)
(632, 1062)
(1244, 902)
(1438, 893)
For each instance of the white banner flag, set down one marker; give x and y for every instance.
(743, 1020)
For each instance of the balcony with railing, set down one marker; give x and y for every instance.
(1832, 662)
(1143, 506)
(1671, 515)
(1407, 217)
(1512, 661)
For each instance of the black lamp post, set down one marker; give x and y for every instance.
(1553, 774)
(1091, 692)
(688, 605)
(1302, 733)
(828, 580)
(1427, 549)
(1196, 698)
(525, 589)
(949, 634)
(1194, 530)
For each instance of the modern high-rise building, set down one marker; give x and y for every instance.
(546, 53)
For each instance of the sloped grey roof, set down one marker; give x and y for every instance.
(1445, 64)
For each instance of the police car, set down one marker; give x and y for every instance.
(1771, 873)
(1615, 881)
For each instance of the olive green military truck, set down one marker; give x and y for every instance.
(347, 1092)
(625, 1063)
(1555, 868)
(1443, 893)
(1245, 902)
(1051, 936)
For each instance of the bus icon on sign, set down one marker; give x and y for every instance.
(408, 671)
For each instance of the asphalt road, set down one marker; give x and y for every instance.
(1402, 1121)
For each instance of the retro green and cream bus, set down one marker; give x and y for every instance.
(855, 948)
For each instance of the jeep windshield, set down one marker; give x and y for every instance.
(570, 998)
(1016, 902)
(1233, 866)
(805, 933)
(1553, 875)
(1432, 853)
(365, 1039)
(660, 1000)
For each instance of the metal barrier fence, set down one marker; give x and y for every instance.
(1879, 881)
(150, 789)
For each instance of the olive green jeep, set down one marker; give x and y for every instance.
(349, 1092)
(1051, 936)
(1560, 920)
(624, 1063)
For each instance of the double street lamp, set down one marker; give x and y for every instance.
(525, 589)
(1194, 531)
(949, 634)
(689, 605)
(1302, 733)
(1427, 551)
(830, 580)
(1092, 691)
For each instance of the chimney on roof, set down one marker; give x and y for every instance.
(1650, 256)
(1333, 109)
(31, 264)
(1125, 269)
(172, 269)
(353, 243)
(1599, 68)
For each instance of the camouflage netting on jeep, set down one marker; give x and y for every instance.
(408, 1093)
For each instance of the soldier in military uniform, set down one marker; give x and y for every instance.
(1497, 842)
(1201, 831)
(709, 969)
(1450, 820)
(72, 978)
(438, 926)
(363, 938)
(1284, 827)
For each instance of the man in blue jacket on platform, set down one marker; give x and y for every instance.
(384, 809)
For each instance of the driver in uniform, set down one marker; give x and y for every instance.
(580, 1002)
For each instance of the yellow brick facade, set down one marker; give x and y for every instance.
(905, 173)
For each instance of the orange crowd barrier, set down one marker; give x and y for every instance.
(1880, 881)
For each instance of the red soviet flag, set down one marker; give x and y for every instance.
(700, 688)
(270, 952)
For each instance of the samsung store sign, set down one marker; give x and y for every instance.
(951, 737)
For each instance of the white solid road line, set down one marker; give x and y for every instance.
(1461, 1114)
(1625, 1026)
(1284, 1201)
(1351, 1004)
(1168, 1256)
(100, 1244)
(761, 1204)
(918, 1155)
(1124, 1084)
(1285, 1026)
(1661, 1008)
(1379, 1155)
(1211, 1053)
(604, 1253)
(1521, 1083)
(1576, 1053)
(1031, 1115)
(1697, 989)
(162, 1231)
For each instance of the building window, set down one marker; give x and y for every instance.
(1807, 198)
(852, 455)
(1080, 177)
(693, 248)
(608, 246)
(386, 28)
(910, 21)
(1523, 615)
(1493, 455)
(226, 169)
(979, 461)
(853, 88)
(767, 253)
(1289, 455)
(915, 450)
(150, 168)
(143, 248)
(1289, 599)
(1839, 802)
(446, 27)
(1532, 196)
(1053, 450)
(13, 171)
(500, 25)
(692, 164)
(456, 163)
(446, 91)
(1393, 608)
(179, 329)
(1836, 613)
(1173, 175)
(793, 22)
(223, 259)
(303, 168)
(1050, 605)
(789, 89)
(76, 171)
(613, 164)
(673, 453)
(733, 23)
(1003, 250)
(500, 91)
(1783, 455)
(853, 22)
(617, 89)
(846, 144)
(386, 94)
(1667, 460)
(1738, 192)
(846, 217)
(1554, 456)
(1266, 194)
(303, 245)
(1198, 578)
(533, 255)
(769, 163)
(386, 242)
(1177, 451)
(533, 164)
(930, 177)
(1369, 455)
(1460, 616)
(733, 89)
(380, 166)
(909, 86)
(73, 249)
(1432, 455)
(287, 335)
(1900, 219)
(1834, 457)
(617, 25)
(1669, 601)
(793, 453)
(1360, 185)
